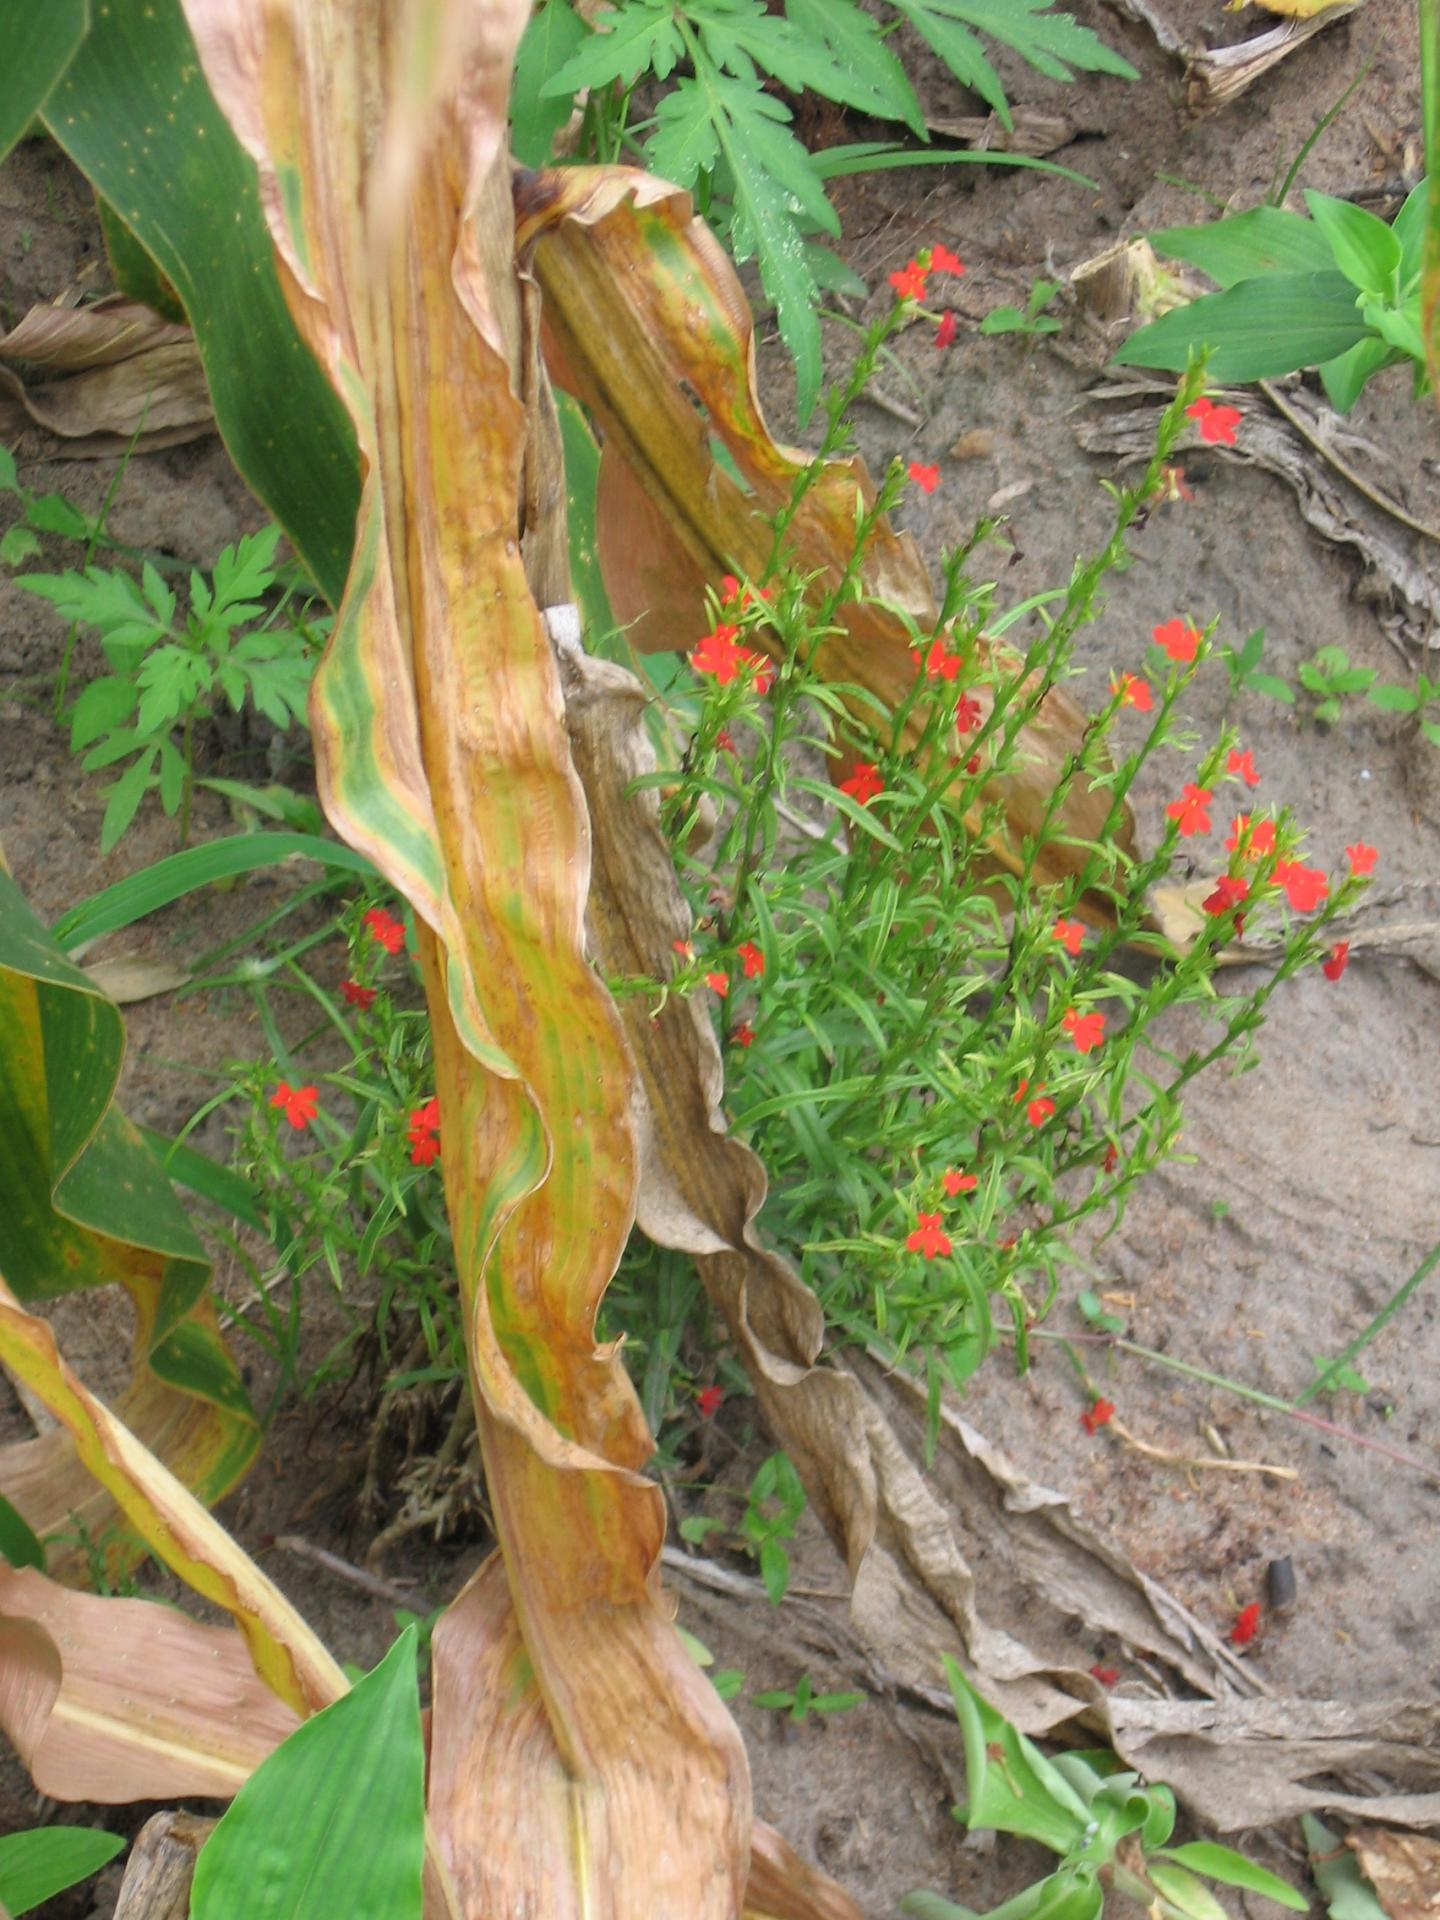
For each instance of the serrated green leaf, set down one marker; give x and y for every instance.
(247, 571)
(1362, 246)
(555, 33)
(1244, 246)
(172, 778)
(170, 680)
(643, 36)
(124, 798)
(1053, 43)
(122, 741)
(104, 704)
(1232, 1869)
(17, 546)
(1257, 330)
(107, 600)
(53, 513)
(35, 1866)
(874, 79)
(158, 596)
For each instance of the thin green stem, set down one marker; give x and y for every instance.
(1382, 1319)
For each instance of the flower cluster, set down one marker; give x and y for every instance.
(423, 1132)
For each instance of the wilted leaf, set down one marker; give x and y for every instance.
(127, 979)
(1403, 1868)
(118, 1700)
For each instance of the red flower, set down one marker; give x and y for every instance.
(743, 1035)
(942, 260)
(1189, 810)
(928, 1237)
(1244, 765)
(909, 282)
(427, 1116)
(1306, 887)
(424, 1147)
(1133, 692)
(1038, 1111)
(1087, 1030)
(1247, 1625)
(945, 332)
(300, 1104)
(357, 996)
(967, 714)
(1262, 839)
(1178, 640)
(729, 589)
(1070, 934)
(390, 933)
(724, 742)
(718, 983)
(926, 478)
(955, 1183)
(972, 765)
(1107, 1676)
(717, 653)
(1229, 892)
(864, 783)
(1338, 961)
(751, 959)
(1112, 1158)
(939, 665)
(1362, 858)
(684, 949)
(1100, 1414)
(423, 1132)
(1217, 424)
(709, 1400)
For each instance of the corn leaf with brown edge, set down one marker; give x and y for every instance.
(647, 324)
(84, 1203)
(442, 754)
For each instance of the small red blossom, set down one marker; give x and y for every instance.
(389, 933)
(972, 765)
(926, 478)
(710, 1400)
(1338, 961)
(423, 1132)
(864, 783)
(424, 1148)
(938, 663)
(942, 260)
(946, 331)
(1172, 484)
(1362, 858)
(1133, 692)
(299, 1104)
(1070, 934)
(1262, 839)
(427, 1116)
(1178, 640)
(1087, 1030)
(1189, 810)
(1217, 424)
(718, 654)
(1247, 1625)
(1112, 1158)
(1244, 765)
(729, 589)
(928, 1237)
(1305, 887)
(1229, 892)
(967, 714)
(718, 983)
(955, 1182)
(723, 741)
(354, 995)
(683, 947)
(751, 959)
(1107, 1676)
(743, 1035)
(1038, 1110)
(909, 281)
(1098, 1415)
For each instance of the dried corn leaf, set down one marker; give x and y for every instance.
(127, 372)
(1216, 76)
(646, 323)
(1403, 1868)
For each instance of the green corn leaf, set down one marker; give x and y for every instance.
(19, 1545)
(188, 872)
(334, 1821)
(40, 41)
(35, 1866)
(1232, 1869)
(1245, 246)
(1257, 330)
(128, 111)
(136, 274)
(554, 35)
(1366, 251)
(582, 480)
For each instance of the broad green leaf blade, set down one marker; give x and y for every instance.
(37, 1865)
(40, 38)
(554, 35)
(222, 1186)
(1010, 1784)
(133, 112)
(1366, 251)
(334, 1821)
(1244, 246)
(1234, 1870)
(1257, 330)
(1184, 1891)
(582, 480)
(1347, 1893)
(19, 1545)
(1345, 376)
(181, 873)
(136, 273)
(879, 156)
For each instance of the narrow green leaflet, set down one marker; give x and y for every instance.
(334, 1821)
(1257, 330)
(133, 112)
(40, 38)
(1246, 245)
(1053, 43)
(1234, 1870)
(1366, 251)
(555, 34)
(37, 1865)
(870, 78)
(1348, 1894)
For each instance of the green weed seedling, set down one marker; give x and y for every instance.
(1331, 679)
(801, 1700)
(777, 1500)
(1032, 319)
(1242, 667)
(1110, 1830)
(1422, 701)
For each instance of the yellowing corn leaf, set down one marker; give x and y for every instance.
(126, 371)
(118, 1700)
(170, 1520)
(647, 324)
(442, 753)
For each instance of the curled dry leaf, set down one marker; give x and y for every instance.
(1216, 76)
(1403, 1868)
(646, 323)
(126, 371)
